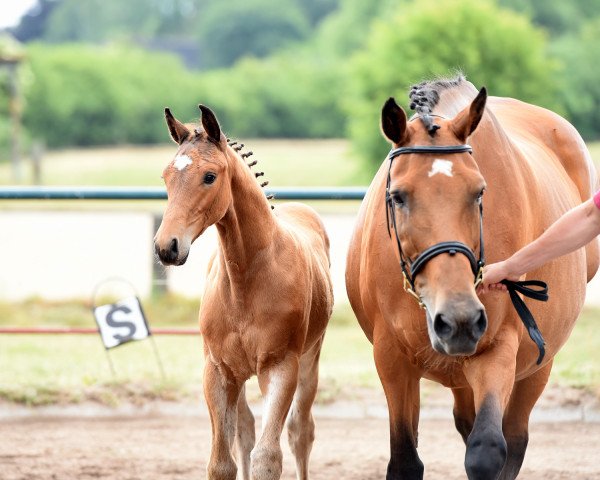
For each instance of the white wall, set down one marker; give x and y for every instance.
(62, 255)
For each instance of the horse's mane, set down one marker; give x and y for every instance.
(238, 147)
(425, 96)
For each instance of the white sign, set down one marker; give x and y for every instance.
(121, 322)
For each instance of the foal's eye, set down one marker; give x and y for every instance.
(209, 178)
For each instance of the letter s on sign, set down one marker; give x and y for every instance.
(111, 322)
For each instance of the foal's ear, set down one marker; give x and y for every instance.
(393, 122)
(210, 124)
(178, 130)
(465, 123)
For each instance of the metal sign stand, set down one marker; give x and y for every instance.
(135, 321)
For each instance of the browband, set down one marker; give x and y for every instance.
(430, 149)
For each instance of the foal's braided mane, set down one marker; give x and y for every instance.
(238, 147)
(424, 97)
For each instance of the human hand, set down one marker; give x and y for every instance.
(493, 274)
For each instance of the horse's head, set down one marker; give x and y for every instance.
(435, 198)
(198, 186)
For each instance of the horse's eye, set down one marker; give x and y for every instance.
(209, 178)
(399, 198)
(480, 196)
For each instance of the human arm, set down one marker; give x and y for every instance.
(573, 230)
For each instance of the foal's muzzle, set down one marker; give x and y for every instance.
(171, 253)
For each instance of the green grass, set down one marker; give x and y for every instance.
(285, 163)
(43, 369)
(47, 369)
(162, 310)
(38, 370)
(594, 148)
(578, 362)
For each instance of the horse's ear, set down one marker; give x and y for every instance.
(210, 124)
(178, 130)
(465, 123)
(393, 122)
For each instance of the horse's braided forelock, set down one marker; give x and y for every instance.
(425, 95)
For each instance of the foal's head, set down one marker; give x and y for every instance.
(436, 198)
(198, 186)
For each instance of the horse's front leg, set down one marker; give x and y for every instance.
(221, 393)
(516, 420)
(491, 376)
(278, 384)
(401, 386)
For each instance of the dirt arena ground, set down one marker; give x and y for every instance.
(176, 447)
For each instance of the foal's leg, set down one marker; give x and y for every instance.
(221, 393)
(464, 411)
(300, 423)
(278, 383)
(516, 419)
(401, 386)
(245, 435)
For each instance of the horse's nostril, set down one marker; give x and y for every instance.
(481, 324)
(173, 249)
(442, 328)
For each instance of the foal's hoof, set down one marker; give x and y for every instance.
(222, 471)
(266, 464)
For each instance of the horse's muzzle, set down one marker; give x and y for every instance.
(457, 327)
(171, 253)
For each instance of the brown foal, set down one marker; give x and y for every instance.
(267, 300)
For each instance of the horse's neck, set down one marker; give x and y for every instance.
(249, 225)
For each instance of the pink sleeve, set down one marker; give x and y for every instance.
(597, 198)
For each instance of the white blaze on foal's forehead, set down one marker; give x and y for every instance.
(181, 161)
(441, 166)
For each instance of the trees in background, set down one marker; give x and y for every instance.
(231, 30)
(90, 95)
(493, 47)
(294, 68)
(580, 79)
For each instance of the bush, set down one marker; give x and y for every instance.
(86, 95)
(493, 47)
(277, 97)
(89, 95)
(237, 28)
(581, 89)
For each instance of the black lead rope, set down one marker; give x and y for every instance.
(541, 294)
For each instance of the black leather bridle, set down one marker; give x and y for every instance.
(451, 248)
(411, 269)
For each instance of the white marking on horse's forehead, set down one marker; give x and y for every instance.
(181, 161)
(441, 166)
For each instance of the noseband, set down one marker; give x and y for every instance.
(454, 247)
(451, 247)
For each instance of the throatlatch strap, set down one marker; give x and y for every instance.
(540, 294)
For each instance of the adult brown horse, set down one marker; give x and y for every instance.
(266, 304)
(533, 166)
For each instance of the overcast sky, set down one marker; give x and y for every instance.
(12, 10)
